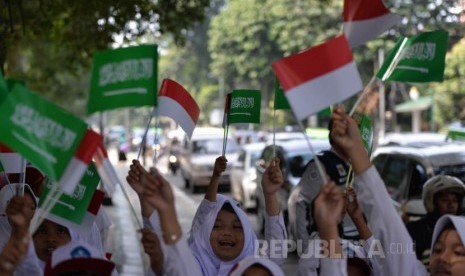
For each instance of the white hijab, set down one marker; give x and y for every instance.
(243, 265)
(457, 221)
(200, 241)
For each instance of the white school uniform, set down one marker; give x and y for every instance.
(387, 226)
(177, 258)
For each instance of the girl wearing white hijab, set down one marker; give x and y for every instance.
(221, 233)
(217, 253)
(448, 246)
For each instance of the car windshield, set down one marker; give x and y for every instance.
(213, 146)
(454, 170)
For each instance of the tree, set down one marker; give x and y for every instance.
(247, 36)
(449, 96)
(50, 44)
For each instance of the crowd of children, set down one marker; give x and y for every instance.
(221, 240)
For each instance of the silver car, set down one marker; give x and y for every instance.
(197, 159)
(405, 169)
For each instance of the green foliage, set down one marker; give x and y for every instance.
(450, 95)
(50, 44)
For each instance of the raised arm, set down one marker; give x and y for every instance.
(271, 182)
(328, 208)
(16, 248)
(134, 178)
(356, 214)
(159, 194)
(220, 166)
(397, 254)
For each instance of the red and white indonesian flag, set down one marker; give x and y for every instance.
(105, 170)
(80, 161)
(365, 20)
(175, 102)
(318, 77)
(227, 107)
(11, 161)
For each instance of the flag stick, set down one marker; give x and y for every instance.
(156, 139)
(225, 139)
(364, 93)
(389, 70)
(274, 133)
(53, 196)
(22, 178)
(142, 144)
(317, 161)
(395, 60)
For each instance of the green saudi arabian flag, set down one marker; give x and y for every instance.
(366, 130)
(417, 59)
(40, 131)
(74, 207)
(245, 106)
(123, 77)
(280, 100)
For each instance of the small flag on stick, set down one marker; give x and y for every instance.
(318, 77)
(176, 102)
(420, 58)
(365, 20)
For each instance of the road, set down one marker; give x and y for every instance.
(123, 239)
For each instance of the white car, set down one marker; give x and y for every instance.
(243, 175)
(198, 155)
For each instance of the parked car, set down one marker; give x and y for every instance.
(198, 155)
(405, 169)
(293, 155)
(243, 175)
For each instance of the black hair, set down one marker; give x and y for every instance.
(257, 265)
(228, 208)
(448, 226)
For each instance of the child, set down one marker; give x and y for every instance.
(309, 263)
(385, 223)
(221, 234)
(48, 237)
(448, 250)
(158, 210)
